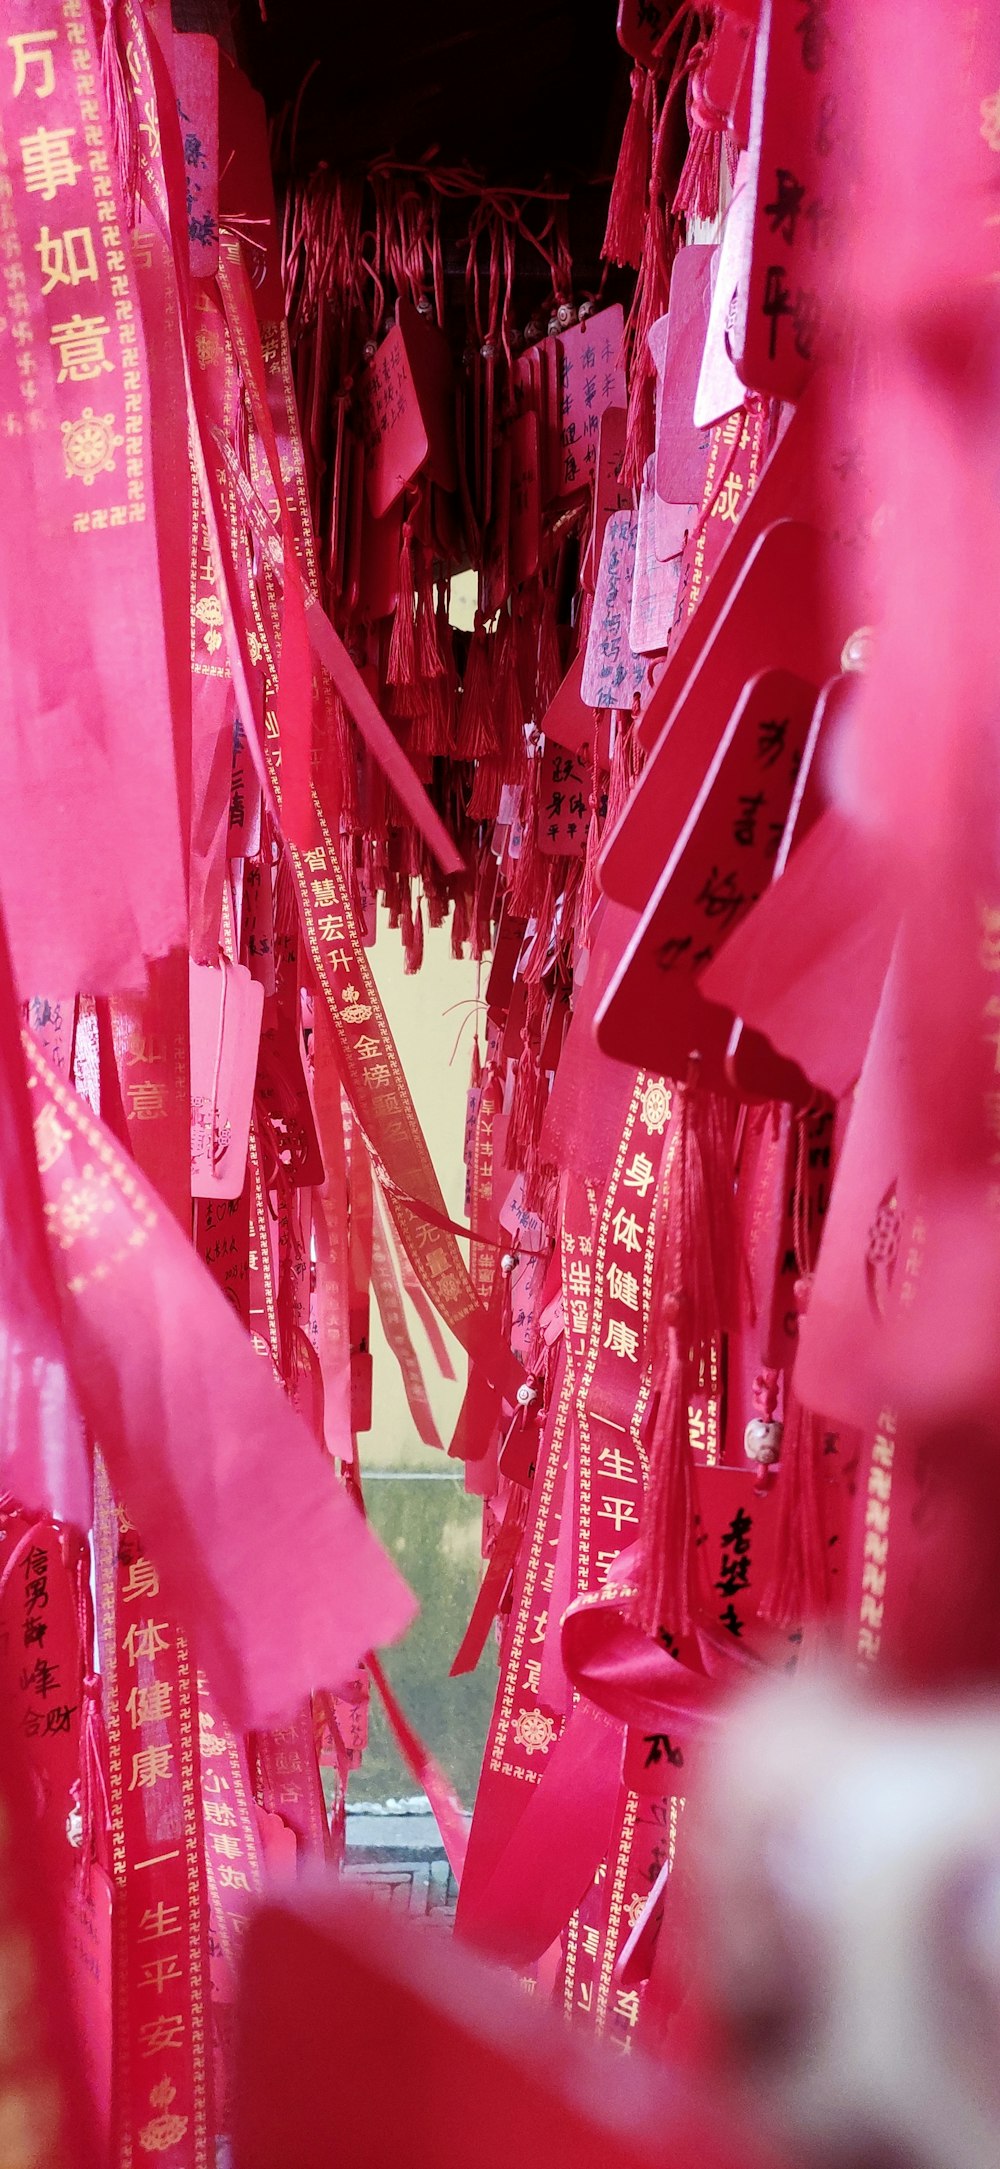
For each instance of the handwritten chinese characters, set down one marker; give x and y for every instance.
(799, 188)
(395, 438)
(592, 378)
(613, 676)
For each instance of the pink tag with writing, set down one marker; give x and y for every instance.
(526, 1228)
(244, 799)
(226, 1010)
(195, 71)
(672, 524)
(612, 674)
(564, 808)
(610, 493)
(52, 1018)
(396, 442)
(592, 377)
(654, 592)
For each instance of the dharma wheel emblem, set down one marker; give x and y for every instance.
(533, 1731)
(89, 446)
(79, 1207)
(163, 2131)
(635, 1908)
(654, 1108)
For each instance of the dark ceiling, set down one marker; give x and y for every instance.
(522, 90)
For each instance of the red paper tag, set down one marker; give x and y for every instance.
(654, 1012)
(246, 190)
(226, 1010)
(775, 618)
(496, 574)
(612, 674)
(41, 1675)
(564, 804)
(525, 497)
(863, 1261)
(378, 571)
(567, 718)
(795, 179)
(736, 452)
(808, 966)
(592, 377)
(815, 472)
(755, 1071)
(640, 24)
(396, 443)
(428, 355)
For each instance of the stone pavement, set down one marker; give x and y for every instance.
(396, 1849)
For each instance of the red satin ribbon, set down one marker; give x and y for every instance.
(491, 1587)
(447, 1807)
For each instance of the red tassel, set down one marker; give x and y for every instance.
(484, 804)
(624, 232)
(430, 661)
(476, 730)
(401, 666)
(413, 940)
(549, 668)
(590, 884)
(652, 295)
(527, 882)
(692, 1290)
(530, 1092)
(665, 1581)
(799, 1588)
(699, 187)
(508, 714)
(461, 924)
(484, 904)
